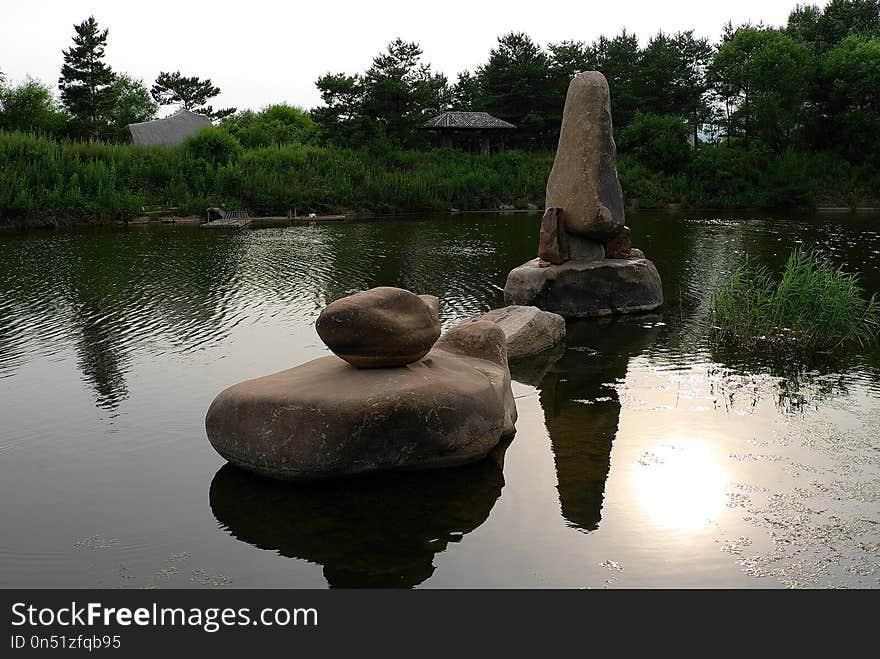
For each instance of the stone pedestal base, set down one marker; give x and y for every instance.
(587, 289)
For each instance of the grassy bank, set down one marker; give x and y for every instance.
(812, 305)
(42, 180)
(68, 181)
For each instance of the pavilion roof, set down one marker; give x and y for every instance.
(466, 120)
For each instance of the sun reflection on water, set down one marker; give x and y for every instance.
(680, 485)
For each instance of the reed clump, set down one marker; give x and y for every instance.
(812, 305)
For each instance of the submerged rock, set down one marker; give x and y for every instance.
(583, 181)
(580, 289)
(380, 327)
(528, 330)
(325, 419)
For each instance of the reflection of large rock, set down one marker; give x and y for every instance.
(583, 289)
(583, 181)
(582, 410)
(326, 419)
(528, 330)
(376, 531)
(380, 327)
(532, 369)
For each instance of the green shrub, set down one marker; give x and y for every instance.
(213, 145)
(274, 125)
(813, 305)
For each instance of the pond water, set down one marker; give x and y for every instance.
(643, 456)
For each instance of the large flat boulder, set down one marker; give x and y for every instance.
(583, 181)
(586, 289)
(528, 330)
(327, 419)
(381, 327)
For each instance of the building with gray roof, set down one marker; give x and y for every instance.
(169, 131)
(469, 129)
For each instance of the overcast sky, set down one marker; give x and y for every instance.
(262, 52)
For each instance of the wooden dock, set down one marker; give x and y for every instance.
(266, 222)
(228, 223)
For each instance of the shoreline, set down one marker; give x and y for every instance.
(258, 222)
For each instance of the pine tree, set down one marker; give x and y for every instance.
(86, 81)
(191, 93)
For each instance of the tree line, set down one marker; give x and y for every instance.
(812, 84)
(766, 117)
(96, 102)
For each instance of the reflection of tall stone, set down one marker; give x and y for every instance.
(374, 532)
(585, 266)
(582, 410)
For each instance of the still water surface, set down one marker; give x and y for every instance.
(643, 456)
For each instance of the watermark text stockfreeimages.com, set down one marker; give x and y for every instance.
(209, 619)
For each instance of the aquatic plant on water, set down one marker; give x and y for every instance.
(813, 304)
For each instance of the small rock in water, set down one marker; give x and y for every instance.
(619, 247)
(528, 330)
(553, 240)
(381, 327)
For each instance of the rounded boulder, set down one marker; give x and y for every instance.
(381, 327)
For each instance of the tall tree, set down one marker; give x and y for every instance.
(619, 60)
(762, 76)
(190, 93)
(822, 29)
(132, 103)
(340, 117)
(673, 79)
(566, 60)
(86, 81)
(517, 88)
(466, 94)
(401, 92)
(851, 73)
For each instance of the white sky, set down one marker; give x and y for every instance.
(261, 52)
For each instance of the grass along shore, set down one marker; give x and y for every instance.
(812, 305)
(43, 181)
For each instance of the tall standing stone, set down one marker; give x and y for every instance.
(583, 181)
(586, 265)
